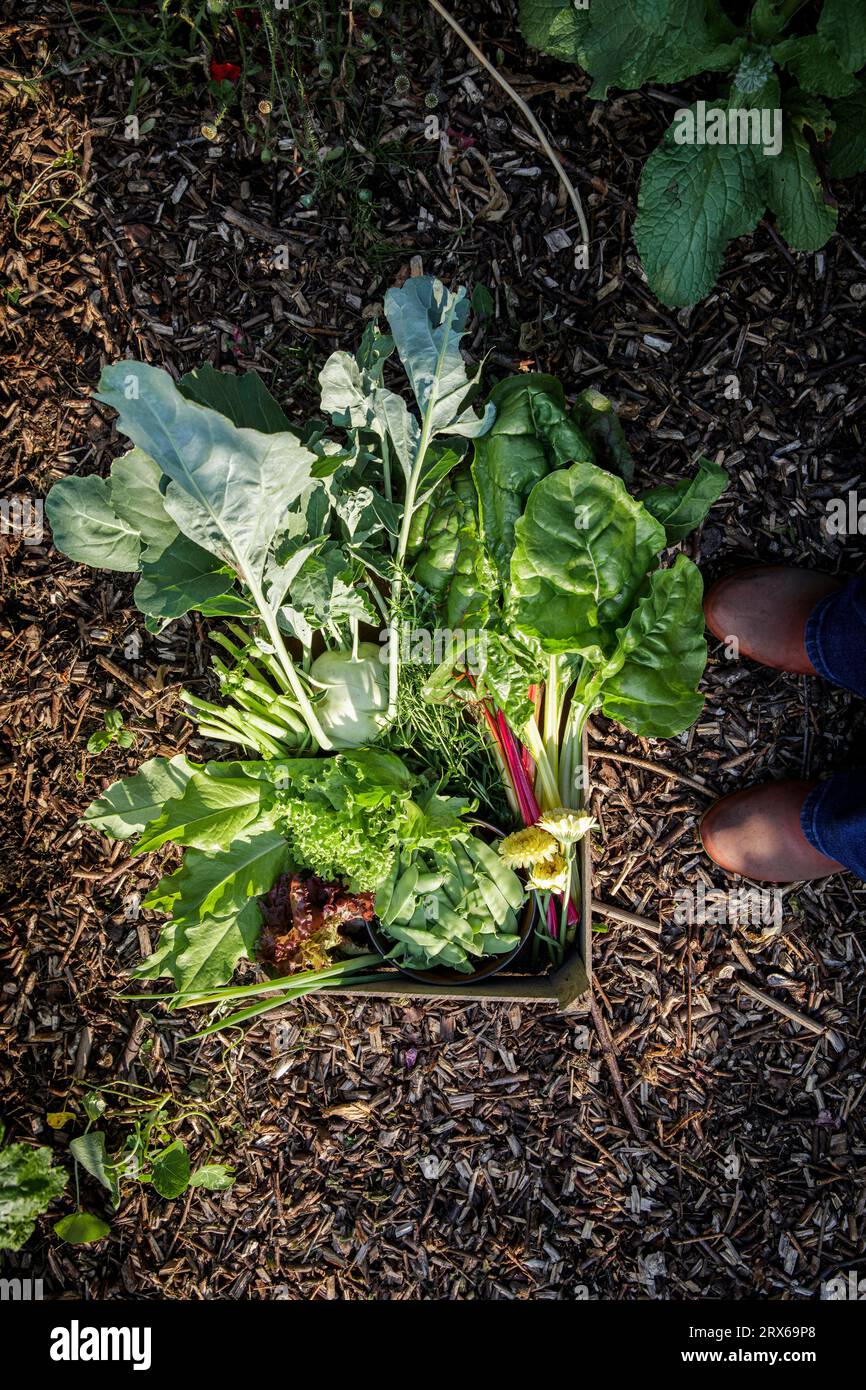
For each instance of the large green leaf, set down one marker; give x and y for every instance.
(208, 814)
(184, 576)
(848, 145)
(132, 803)
(29, 1182)
(89, 1150)
(243, 398)
(650, 684)
(213, 946)
(215, 916)
(684, 505)
(594, 414)
(693, 199)
(427, 322)
(230, 488)
(843, 22)
(137, 499)
(81, 1228)
(531, 434)
(816, 64)
(86, 527)
(625, 43)
(582, 551)
(207, 882)
(795, 192)
(170, 1171)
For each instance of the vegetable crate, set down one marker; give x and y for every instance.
(566, 987)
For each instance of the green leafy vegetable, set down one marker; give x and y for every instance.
(701, 189)
(29, 1183)
(450, 905)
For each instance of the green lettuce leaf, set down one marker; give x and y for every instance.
(132, 803)
(208, 814)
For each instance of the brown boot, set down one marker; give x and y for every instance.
(766, 608)
(757, 833)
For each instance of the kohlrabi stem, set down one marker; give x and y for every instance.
(302, 699)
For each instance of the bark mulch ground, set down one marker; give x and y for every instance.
(396, 1150)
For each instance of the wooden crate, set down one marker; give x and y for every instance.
(567, 987)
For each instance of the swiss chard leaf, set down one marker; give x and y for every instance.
(682, 506)
(650, 683)
(532, 434)
(582, 551)
(596, 417)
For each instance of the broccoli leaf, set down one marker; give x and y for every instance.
(244, 399)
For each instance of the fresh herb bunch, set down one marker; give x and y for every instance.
(695, 197)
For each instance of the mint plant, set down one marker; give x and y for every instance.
(696, 197)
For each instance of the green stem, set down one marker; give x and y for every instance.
(546, 786)
(408, 513)
(552, 715)
(306, 709)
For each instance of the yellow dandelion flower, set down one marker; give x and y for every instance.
(566, 826)
(551, 876)
(526, 847)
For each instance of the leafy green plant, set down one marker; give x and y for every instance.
(29, 1183)
(696, 197)
(111, 732)
(563, 570)
(149, 1153)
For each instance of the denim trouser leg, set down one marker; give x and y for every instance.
(834, 813)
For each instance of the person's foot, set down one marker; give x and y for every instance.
(756, 833)
(766, 608)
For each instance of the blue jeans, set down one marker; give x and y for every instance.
(834, 814)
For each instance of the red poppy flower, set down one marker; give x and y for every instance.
(224, 72)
